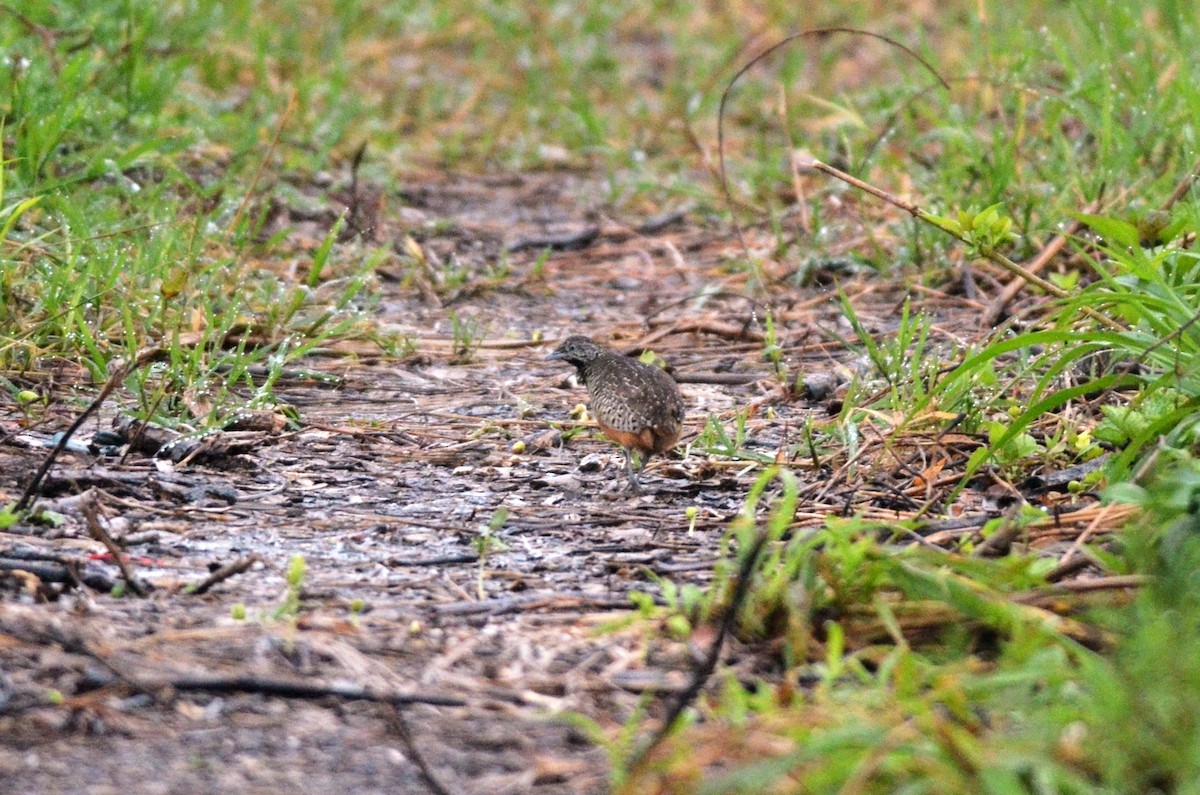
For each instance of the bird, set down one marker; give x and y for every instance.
(637, 405)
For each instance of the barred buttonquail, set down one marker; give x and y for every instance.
(637, 405)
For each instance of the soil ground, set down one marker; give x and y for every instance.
(395, 469)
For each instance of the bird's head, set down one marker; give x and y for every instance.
(579, 351)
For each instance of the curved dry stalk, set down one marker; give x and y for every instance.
(815, 32)
(988, 253)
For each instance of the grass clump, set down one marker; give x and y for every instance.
(922, 671)
(123, 227)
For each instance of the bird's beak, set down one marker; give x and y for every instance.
(554, 355)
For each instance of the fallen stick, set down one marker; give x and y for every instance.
(1001, 302)
(32, 626)
(513, 604)
(224, 573)
(291, 688)
(60, 572)
(119, 557)
(400, 726)
(722, 379)
(706, 668)
(113, 381)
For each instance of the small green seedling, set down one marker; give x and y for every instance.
(290, 607)
(486, 543)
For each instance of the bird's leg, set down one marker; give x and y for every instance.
(634, 483)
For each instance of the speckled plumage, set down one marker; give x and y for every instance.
(635, 404)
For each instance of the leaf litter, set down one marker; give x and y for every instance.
(465, 541)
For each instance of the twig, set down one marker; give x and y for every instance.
(723, 379)
(400, 726)
(1000, 541)
(56, 568)
(580, 238)
(1115, 582)
(1083, 537)
(441, 560)
(997, 306)
(116, 378)
(47, 571)
(1169, 339)
(354, 210)
(555, 601)
(30, 625)
(496, 344)
(224, 573)
(1075, 565)
(141, 429)
(659, 222)
(987, 252)
(706, 668)
(295, 688)
(1182, 188)
(741, 333)
(119, 557)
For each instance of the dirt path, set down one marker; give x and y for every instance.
(384, 490)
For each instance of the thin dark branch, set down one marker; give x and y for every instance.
(78, 641)
(224, 573)
(723, 379)
(356, 162)
(701, 675)
(112, 383)
(298, 688)
(141, 429)
(988, 253)
(531, 602)
(48, 571)
(1182, 188)
(440, 560)
(98, 532)
(400, 726)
